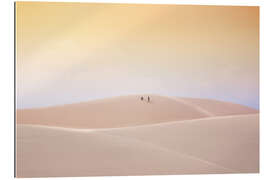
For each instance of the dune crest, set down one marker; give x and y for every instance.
(128, 111)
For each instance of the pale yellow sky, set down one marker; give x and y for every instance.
(72, 52)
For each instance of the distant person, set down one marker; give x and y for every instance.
(148, 99)
(141, 98)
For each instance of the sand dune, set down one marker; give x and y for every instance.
(128, 111)
(219, 108)
(230, 141)
(209, 145)
(125, 136)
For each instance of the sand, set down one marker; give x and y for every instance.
(125, 136)
(128, 111)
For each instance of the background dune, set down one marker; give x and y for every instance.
(128, 111)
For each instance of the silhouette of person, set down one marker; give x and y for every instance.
(141, 98)
(148, 99)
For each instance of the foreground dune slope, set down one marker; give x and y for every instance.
(209, 145)
(128, 111)
(61, 153)
(230, 141)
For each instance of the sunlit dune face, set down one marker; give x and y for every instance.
(73, 52)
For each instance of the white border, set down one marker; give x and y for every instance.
(195, 2)
(7, 89)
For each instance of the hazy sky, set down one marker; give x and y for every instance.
(73, 52)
